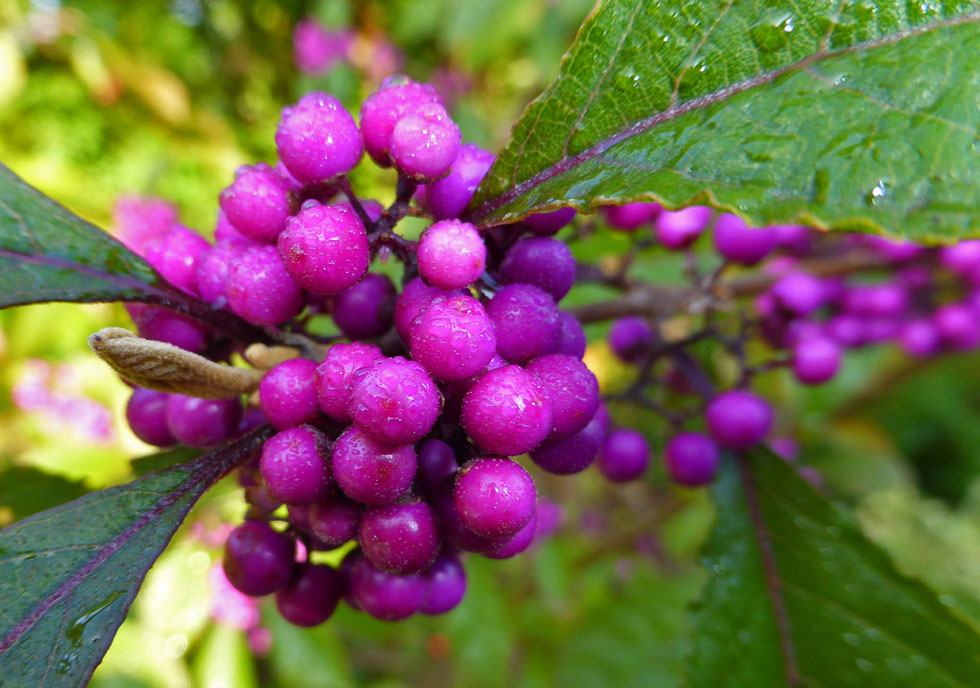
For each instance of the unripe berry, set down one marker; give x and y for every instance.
(738, 419)
(325, 248)
(451, 254)
(257, 203)
(317, 139)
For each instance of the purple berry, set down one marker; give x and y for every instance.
(225, 233)
(573, 388)
(624, 456)
(260, 290)
(394, 400)
(962, 258)
(446, 581)
(517, 543)
(453, 338)
(847, 329)
(437, 461)
(400, 538)
(799, 293)
(691, 459)
(448, 197)
(796, 239)
(317, 139)
(877, 300)
(369, 472)
(958, 326)
(382, 110)
(738, 419)
(287, 393)
(494, 497)
(919, 338)
(425, 143)
(544, 262)
(214, 272)
(573, 454)
(162, 325)
(679, 229)
(258, 560)
(257, 203)
(202, 423)
(334, 520)
(549, 224)
(630, 338)
(366, 309)
(386, 596)
(176, 254)
(311, 596)
(741, 244)
(146, 412)
(630, 217)
(451, 254)
(325, 248)
(573, 340)
(335, 373)
(415, 297)
(526, 322)
(507, 411)
(549, 517)
(136, 221)
(453, 530)
(294, 465)
(816, 359)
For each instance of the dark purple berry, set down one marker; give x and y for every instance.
(446, 584)
(573, 388)
(202, 423)
(258, 560)
(526, 322)
(542, 261)
(691, 459)
(334, 520)
(386, 596)
(366, 309)
(738, 419)
(437, 461)
(311, 596)
(631, 338)
(146, 412)
(624, 456)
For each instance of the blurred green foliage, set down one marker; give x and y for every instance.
(168, 98)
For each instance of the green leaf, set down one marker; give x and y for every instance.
(48, 253)
(855, 115)
(26, 490)
(68, 575)
(154, 462)
(799, 597)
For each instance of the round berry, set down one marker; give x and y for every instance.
(437, 461)
(630, 338)
(958, 326)
(816, 359)
(507, 411)
(225, 233)
(624, 456)
(631, 216)
(257, 203)
(260, 290)
(451, 254)
(394, 400)
(425, 143)
(311, 596)
(367, 309)
(287, 393)
(799, 293)
(573, 388)
(544, 262)
(370, 472)
(415, 298)
(517, 543)
(526, 322)
(214, 271)
(162, 325)
(494, 497)
(679, 229)
(386, 596)
(573, 340)
(448, 197)
(400, 538)
(136, 221)
(176, 254)
(796, 239)
(572, 454)
(549, 224)
(317, 139)
(325, 248)
(202, 423)
(962, 258)
(334, 520)
(919, 338)
(741, 244)
(294, 465)
(258, 560)
(453, 338)
(446, 584)
(691, 459)
(380, 111)
(453, 530)
(146, 412)
(335, 373)
(738, 419)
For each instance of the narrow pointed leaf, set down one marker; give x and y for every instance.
(68, 575)
(797, 596)
(846, 115)
(47, 253)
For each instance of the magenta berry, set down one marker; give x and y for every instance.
(573, 340)
(146, 413)
(816, 359)
(214, 272)
(425, 143)
(260, 290)
(202, 423)
(799, 293)
(631, 338)
(366, 309)
(386, 596)
(175, 254)
(136, 221)
(370, 472)
(526, 322)
(311, 596)
(572, 454)
(740, 243)
(335, 373)
(325, 248)
(317, 139)
(452, 528)
(691, 459)
(400, 538)
(453, 338)
(507, 411)
(920, 338)
(382, 110)
(448, 197)
(516, 543)
(624, 456)
(446, 584)
(164, 325)
(451, 254)
(334, 520)
(287, 393)
(394, 400)
(294, 465)
(573, 388)
(258, 560)
(494, 497)
(414, 298)
(631, 216)
(679, 229)
(257, 203)
(549, 224)
(738, 419)
(544, 262)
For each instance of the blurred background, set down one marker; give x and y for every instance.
(102, 100)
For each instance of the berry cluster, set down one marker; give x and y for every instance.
(401, 438)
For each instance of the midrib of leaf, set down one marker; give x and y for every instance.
(566, 163)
